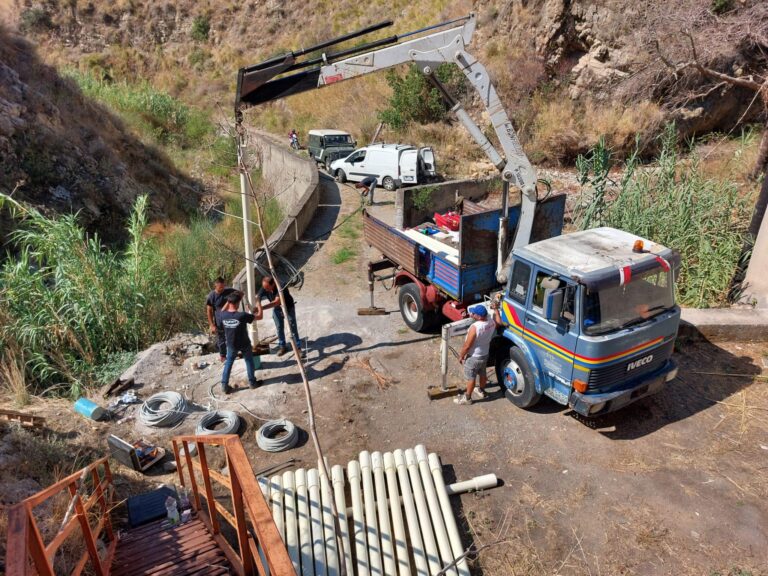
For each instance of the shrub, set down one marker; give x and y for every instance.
(153, 111)
(721, 6)
(415, 100)
(201, 27)
(35, 20)
(70, 302)
(676, 205)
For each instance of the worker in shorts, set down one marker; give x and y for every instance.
(368, 185)
(474, 353)
(235, 323)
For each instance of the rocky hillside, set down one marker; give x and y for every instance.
(568, 71)
(62, 152)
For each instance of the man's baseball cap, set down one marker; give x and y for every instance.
(478, 310)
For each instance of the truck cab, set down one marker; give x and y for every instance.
(589, 319)
(325, 146)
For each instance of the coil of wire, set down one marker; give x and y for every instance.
(268, 440)
(210, 420)
(163, 409)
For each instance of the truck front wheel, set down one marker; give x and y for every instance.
(341, 176)
(412, 309)
(516, 379)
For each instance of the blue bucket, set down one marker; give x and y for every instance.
(89, 409)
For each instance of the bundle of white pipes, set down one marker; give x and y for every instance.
(400, 521)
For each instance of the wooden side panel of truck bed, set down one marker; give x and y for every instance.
(395, 246)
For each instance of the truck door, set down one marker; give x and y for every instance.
(408, 167)
(428, 158)
(555, 340)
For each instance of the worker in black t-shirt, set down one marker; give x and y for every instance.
(213, 305)
(235, 323)
(269, 291)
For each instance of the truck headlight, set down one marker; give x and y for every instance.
(671, 375)
(595, 408)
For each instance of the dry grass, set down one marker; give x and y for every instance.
(13, 375)
(564, 128)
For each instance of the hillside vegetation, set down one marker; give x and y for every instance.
(567, 71)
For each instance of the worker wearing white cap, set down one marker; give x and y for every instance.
(474, 353)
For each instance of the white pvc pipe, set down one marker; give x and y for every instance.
(371, 526)
(401, 544)
(477, 483)
(387, 548)
(291, 527)
(329, 529)
(337, 478)
(264, 485)
(276, 497)
(417, 545)
(305, 532)
(450, 521)
(438, 524)
(430, 547)
(316, 521)
(358, 519)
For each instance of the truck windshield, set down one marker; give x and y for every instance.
(338, 140)
(617, 307)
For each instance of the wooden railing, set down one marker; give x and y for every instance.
(26, 549)
(258, 545)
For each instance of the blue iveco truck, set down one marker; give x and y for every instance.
(589, 320)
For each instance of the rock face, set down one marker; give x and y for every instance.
(63, 153)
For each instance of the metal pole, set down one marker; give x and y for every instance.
(250, 275)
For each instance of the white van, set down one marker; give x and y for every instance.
(393, 165)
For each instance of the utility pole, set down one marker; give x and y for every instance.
(250, 276)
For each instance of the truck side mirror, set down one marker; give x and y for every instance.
(553, 304)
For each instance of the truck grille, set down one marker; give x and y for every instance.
(610, 376)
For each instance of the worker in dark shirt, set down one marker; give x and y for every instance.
(235, 323)
(213, 305)
(368, 185)
(269, 292)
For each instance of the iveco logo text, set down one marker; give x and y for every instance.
(638, 363)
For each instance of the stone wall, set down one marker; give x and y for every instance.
(294, 183)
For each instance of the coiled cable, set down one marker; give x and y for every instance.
(265, 437)
(209, 421)
(153, 413)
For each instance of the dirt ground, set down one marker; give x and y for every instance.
(675, 484)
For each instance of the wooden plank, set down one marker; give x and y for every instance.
(210, 500)
(249, 568)
(224, 512)
(158, 557)
(220, 478)
(18, 534)
(192, 481)
(58, 540)
(261, 518)
(179, 564)
(22, 418)
(231, 555)
(90, 542)
(54, 489)
(36, 546)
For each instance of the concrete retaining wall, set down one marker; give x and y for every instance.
(295, 184)
(442, 197)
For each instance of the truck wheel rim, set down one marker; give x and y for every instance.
(514, 381)
(410, 308)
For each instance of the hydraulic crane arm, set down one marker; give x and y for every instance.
(256, 85)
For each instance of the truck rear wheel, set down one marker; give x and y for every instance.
(412, 309)
(389, 183)
(516, 379)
